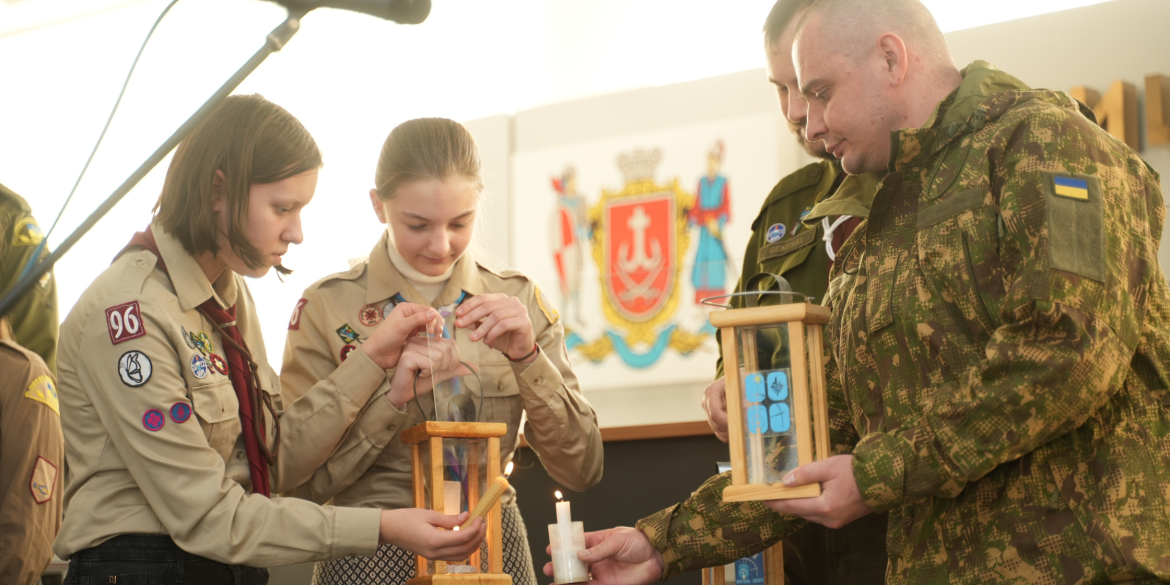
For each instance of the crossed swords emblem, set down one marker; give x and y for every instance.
(637, 259)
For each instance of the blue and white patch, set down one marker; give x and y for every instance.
(134, 368)
(776, 233)
(199, 366)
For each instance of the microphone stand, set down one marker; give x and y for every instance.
(276, 40)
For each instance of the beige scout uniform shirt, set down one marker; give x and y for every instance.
(152, 425)
(31, 453)
(562, 426)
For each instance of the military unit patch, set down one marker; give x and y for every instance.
(370, 315)
(345, 351)
(775, 233)
(219, 364)
(27, 233)
(180, 412)
(202, 342)
(134, 368)
(44, 478)
(124, 322)
(153, 420)
(347, 334)
(44, 391)
(199, 366)
(294, 322)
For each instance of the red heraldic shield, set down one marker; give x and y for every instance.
(640, 259)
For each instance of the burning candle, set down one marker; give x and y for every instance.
(567, 538)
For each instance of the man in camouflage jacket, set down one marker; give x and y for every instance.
(998, 350)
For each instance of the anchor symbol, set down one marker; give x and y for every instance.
(636, 260)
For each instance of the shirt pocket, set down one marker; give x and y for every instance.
(958, 240)
(783, 256)
(218, 411)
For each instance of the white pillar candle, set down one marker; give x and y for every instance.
(566, 540)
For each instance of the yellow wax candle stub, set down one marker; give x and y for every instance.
(489, 499)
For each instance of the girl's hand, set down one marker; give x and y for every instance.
(406, 321)
(435, 360)
(419, 531)
(501, 322)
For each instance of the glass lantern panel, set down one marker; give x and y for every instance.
(465, 479)
(456, 388)
(766, 399)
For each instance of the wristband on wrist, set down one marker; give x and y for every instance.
(535, 350)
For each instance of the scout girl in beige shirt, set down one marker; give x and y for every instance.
(176, 429)
(428, 192)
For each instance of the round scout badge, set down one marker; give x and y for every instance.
(134, 368)
(153, 420)
(776, 233)
(345, 351)
(370, 315)
(198, 366)
(180, 412)
(219, 364)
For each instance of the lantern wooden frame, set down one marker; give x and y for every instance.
(433, 433)
(807, 386)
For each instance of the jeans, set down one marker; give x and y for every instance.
(148, 559)
(853, 555)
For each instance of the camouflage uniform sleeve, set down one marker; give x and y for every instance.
(34, 316)
(1064, 321)
(704, 531)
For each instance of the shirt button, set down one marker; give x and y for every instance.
(240, 455)
(140, 262)
(540, 380)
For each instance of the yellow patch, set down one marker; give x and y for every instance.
(43, 390)
(27, 233)
(546, 307)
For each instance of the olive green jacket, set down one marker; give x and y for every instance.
(1000, 359)
(34, 317)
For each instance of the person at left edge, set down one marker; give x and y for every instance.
(31, 453)
(428, 191)
(176, 430)
(34, 316)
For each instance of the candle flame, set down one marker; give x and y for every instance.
(560, 496)
(508, 469)
(456, 529)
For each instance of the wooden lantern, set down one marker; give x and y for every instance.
(780, 372)
(458, 457)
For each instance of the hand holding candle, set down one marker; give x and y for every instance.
(566, 538)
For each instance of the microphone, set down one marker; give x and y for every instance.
(400, 11)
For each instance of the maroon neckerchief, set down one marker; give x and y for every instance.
(241, 370)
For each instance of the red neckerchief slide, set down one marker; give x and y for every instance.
(242, 371)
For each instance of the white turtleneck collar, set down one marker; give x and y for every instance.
(428, 286)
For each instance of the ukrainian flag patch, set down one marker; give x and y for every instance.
(1071, 188)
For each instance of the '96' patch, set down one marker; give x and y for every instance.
(125, 322)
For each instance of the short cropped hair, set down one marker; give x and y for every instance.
(426, 148)
(782, 14)
(252, 141)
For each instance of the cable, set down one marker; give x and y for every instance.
(45, 240)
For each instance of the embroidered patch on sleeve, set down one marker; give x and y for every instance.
(43, 390)
(180, 412)
(370, 315)
(294, 322)
(546, 307)
(1076, 224)
(347, 334)
(124, 322)
(345, 351)
(27, 233)
(153, 420)
(44, 479)
(134, 368)
(198, 366)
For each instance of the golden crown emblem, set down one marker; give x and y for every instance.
(639, 165)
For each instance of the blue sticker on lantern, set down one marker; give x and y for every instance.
(781, 417)
(180, 412)
(750, 570)
(753, 388)
(757, 417)
(778, 385)
(153, 420)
